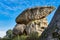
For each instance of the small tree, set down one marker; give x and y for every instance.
(9, 34)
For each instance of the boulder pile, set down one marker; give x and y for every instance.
(32, 20)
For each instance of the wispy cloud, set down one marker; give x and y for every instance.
(5, 6)
(2, 34)
(10, 8)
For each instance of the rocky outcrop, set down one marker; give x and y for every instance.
(32, 20)
(33, 14)
(55, 26)
(37, 26)
(53, 30)
(19, 29)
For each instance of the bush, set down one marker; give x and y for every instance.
(33, 36)
(22, 37)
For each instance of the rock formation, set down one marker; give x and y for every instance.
(32, 20)
(19, 29)
(33, 14)
(53, 30)
(37, 26)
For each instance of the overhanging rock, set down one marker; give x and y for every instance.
(33, 14)
(32, 20)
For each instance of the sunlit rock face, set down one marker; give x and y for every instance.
(32, 20)
(37, 26)
(33, 14)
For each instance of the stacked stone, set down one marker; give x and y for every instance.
(32, 20)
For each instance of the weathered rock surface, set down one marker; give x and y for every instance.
(55, 25)
(19, 29)
(33, 14)
(32, 20)
(53, 30)
(37, 26)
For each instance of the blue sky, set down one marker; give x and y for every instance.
(10, 9)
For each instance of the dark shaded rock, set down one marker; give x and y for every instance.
(19, 29)
(53, 30)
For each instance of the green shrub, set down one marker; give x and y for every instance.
(33, 36)
(22, 37)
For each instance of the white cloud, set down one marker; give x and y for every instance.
(2, 34)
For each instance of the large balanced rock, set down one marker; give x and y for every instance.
(19, 29)
(32, 20)
(33, 14)
(37, 26)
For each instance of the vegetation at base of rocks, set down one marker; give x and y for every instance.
(33, 36)
(15, 38)
(10, 36)
(22, 37)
